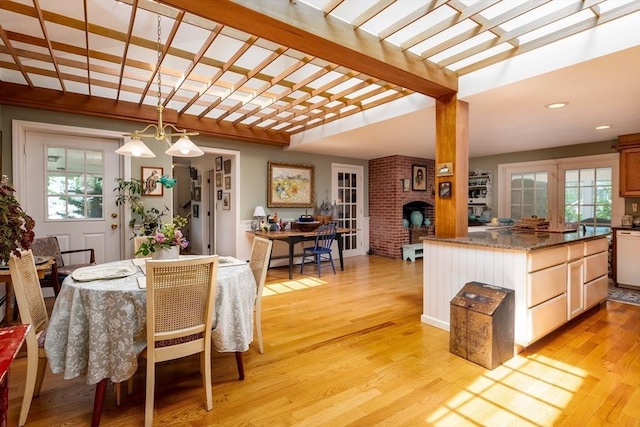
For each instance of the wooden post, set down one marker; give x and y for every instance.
(452, 146)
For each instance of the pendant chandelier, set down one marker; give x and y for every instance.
(183, 147)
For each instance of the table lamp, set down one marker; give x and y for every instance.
(259, 213)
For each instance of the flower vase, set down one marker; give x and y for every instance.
(172, 252)
(416, 218)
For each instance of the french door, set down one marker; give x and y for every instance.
(347, 193)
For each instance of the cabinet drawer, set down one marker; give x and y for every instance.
(594, 246)
(547, 258)
(546, 284)
(575, 251)
(596, 291)
(546, 317)
(595, 266)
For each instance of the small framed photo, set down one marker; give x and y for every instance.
(219, 194)
(227, 167)
(226, 201)
(219, 179)
(419, 180)
(406, 186)
(197, 194)
(150, 185)
(218, 163)
(444, 190)
(227, 183)
(196, 210)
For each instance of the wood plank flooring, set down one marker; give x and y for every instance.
(349, 349)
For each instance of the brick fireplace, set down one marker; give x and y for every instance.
(387, 201)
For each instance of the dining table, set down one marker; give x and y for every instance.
(97, 327)
(293, 237)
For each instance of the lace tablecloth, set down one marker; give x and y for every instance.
(97, 328)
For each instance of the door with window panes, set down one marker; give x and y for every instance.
(347, 191)
(69, 192)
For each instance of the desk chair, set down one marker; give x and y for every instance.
(33, 311)
(259, 264)
(180, 303)
(321, 251)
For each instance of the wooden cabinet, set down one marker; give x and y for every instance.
(629, 147)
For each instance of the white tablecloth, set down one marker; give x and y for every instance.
(97, 328)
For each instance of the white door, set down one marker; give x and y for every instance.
(68, 190)
(347, 192)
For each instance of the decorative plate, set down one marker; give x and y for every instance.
(103, 272)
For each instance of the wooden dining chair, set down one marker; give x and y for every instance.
(180, 303)
(259, 264)
(321, 250)
(33, 311)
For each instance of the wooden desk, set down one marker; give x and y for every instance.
(5, 276)
(11, 340)
(292, 237)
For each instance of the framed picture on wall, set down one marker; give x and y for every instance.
(196, 210)
(227, 167)
(197, 194)
(219, 179)
(419, 180)
(150, 185)
(219, 194)
(227, 183)
(290, 185)
(218, 163)
(444, 189)
(226, 201)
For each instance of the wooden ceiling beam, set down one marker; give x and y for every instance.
(54, 100)
(306, 29)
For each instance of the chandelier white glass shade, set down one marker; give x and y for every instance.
(183, 147)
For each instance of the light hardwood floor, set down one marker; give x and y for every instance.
(350, 349)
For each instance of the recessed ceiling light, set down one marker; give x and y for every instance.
(603, 127)
(557, 105)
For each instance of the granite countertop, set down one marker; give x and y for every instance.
(522, 241)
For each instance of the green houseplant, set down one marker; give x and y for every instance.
(165, 237)
(16, 227)
(146, 221)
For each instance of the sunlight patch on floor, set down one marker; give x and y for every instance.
(292, 285)
(525, 391)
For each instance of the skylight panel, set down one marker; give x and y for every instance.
(349, 10)
(502, 47)
(609, 5)
(324, 79)
(537, 13)
(363, 91)
(345, 85)
(252, 57)
(461, 47)
(441, 14)
(75, 37)
(393, 13)
(265, 123)
(101, 44)
(76, 87)
(129, 96)
(303, 73)
(444, 36)
(103, 92)
(11, 76)
(560, 25)
(223, 48)
(98, 12)
(215, 113)
(104, 77)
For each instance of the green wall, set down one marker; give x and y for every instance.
(253, 157)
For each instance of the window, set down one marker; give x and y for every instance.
(579, 189)
(74, 184)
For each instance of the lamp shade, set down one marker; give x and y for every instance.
(259, 211)
(135, 148)
(184, 148)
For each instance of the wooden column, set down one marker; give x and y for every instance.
(452, 146)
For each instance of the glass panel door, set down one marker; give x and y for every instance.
(588, 197)
(348, 199)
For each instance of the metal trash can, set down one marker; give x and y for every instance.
(482, 324)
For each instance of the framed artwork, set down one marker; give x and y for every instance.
(406, 186)
(227, 167)
(219, 179)
(290, 185)
(196, 210)
(227, 183)
(197, 194)
(444, 169)
(419, 180)
(226, 201)
(193, 173)
(219, 194)
(218, 163)
(150, 185)
(444, 189)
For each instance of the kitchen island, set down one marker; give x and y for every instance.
(556, 276)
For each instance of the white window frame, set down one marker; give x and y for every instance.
(556, 192)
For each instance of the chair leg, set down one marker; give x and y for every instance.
(319, 262)
(30, 384)
(151, 385)
(258, 323)
(206, 377)
(42, 366)
(332, 265)
(240, 364)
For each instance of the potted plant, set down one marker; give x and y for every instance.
(17, 227)
(146, 221)
(167, 241)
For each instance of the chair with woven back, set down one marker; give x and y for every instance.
(33, 311)
(321, 250)
(49, 246)
(180, 303)
(259, 264)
